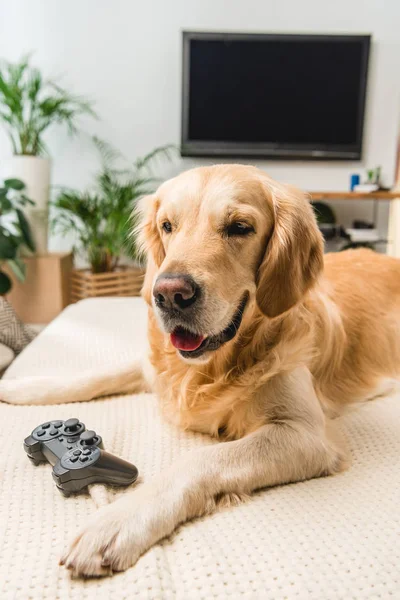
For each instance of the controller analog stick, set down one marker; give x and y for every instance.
(88, 438)
(71, 425)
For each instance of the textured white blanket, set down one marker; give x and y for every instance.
(330, 538)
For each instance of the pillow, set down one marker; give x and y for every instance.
(13, 333)
(6, 357)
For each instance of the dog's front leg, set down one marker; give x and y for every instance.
(290, 448)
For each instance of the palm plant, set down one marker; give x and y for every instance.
(29, 105)
(100, 218)
(15, 234)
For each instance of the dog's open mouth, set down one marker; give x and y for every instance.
(185, 340)
(193, 345)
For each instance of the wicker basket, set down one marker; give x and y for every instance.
(125, 281)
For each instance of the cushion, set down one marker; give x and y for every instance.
(13, 333)
(6, 357)
(328, 538)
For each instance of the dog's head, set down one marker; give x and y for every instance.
(219, 240)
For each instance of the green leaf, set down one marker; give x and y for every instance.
(27, 200)
(8, 248)
(23, 200)
(108, 153)
(18, 268)
(29, 104)
(100, 218)
(5, 283)
(165, 152)
(14, 184)
(34, 84)
(5, 205)
(25, 230)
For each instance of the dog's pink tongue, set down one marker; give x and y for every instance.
(185, 340)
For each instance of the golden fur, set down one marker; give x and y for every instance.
(318, 334)
(345, 329)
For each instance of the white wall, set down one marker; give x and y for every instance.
(126, 54)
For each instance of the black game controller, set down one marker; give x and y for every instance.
(77, 456)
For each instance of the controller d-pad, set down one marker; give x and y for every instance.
(77, 452)
(86, 451)
(84, 458)
(45, 432)
(57, 424)
(73, 459)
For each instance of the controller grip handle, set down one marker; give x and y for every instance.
(115, 470)
(33, 449)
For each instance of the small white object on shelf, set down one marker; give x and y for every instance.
(365, 188)
(363, 235)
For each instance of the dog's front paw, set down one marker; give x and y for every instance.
(118, 534)
(108, 544)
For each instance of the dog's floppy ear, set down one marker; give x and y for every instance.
(294, 254)
(148, 240)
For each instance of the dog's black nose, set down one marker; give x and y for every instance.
(175, 291)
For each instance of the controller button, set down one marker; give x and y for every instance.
(84, 458)
(71, 440)
(40, 433)
(57, 424)
(69, 447)
(77, 452)
(86, 451)
(53, 431)
(46, 426)
(73, 459)
(71, 424)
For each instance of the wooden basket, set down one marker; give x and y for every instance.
(124, 281)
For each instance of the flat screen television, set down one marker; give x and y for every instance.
(274, 96)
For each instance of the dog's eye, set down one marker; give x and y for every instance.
(239, 228)
(167, 227)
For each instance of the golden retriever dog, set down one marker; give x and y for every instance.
(255, 338)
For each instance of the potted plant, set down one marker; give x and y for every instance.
(15, 232)
(100, 219)
(29, 106)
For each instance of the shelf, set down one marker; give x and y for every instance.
(354, 195)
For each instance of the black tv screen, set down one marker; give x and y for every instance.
(275, 96)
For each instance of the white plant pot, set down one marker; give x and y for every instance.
(34, 171)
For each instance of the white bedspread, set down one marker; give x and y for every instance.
(330, 538)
